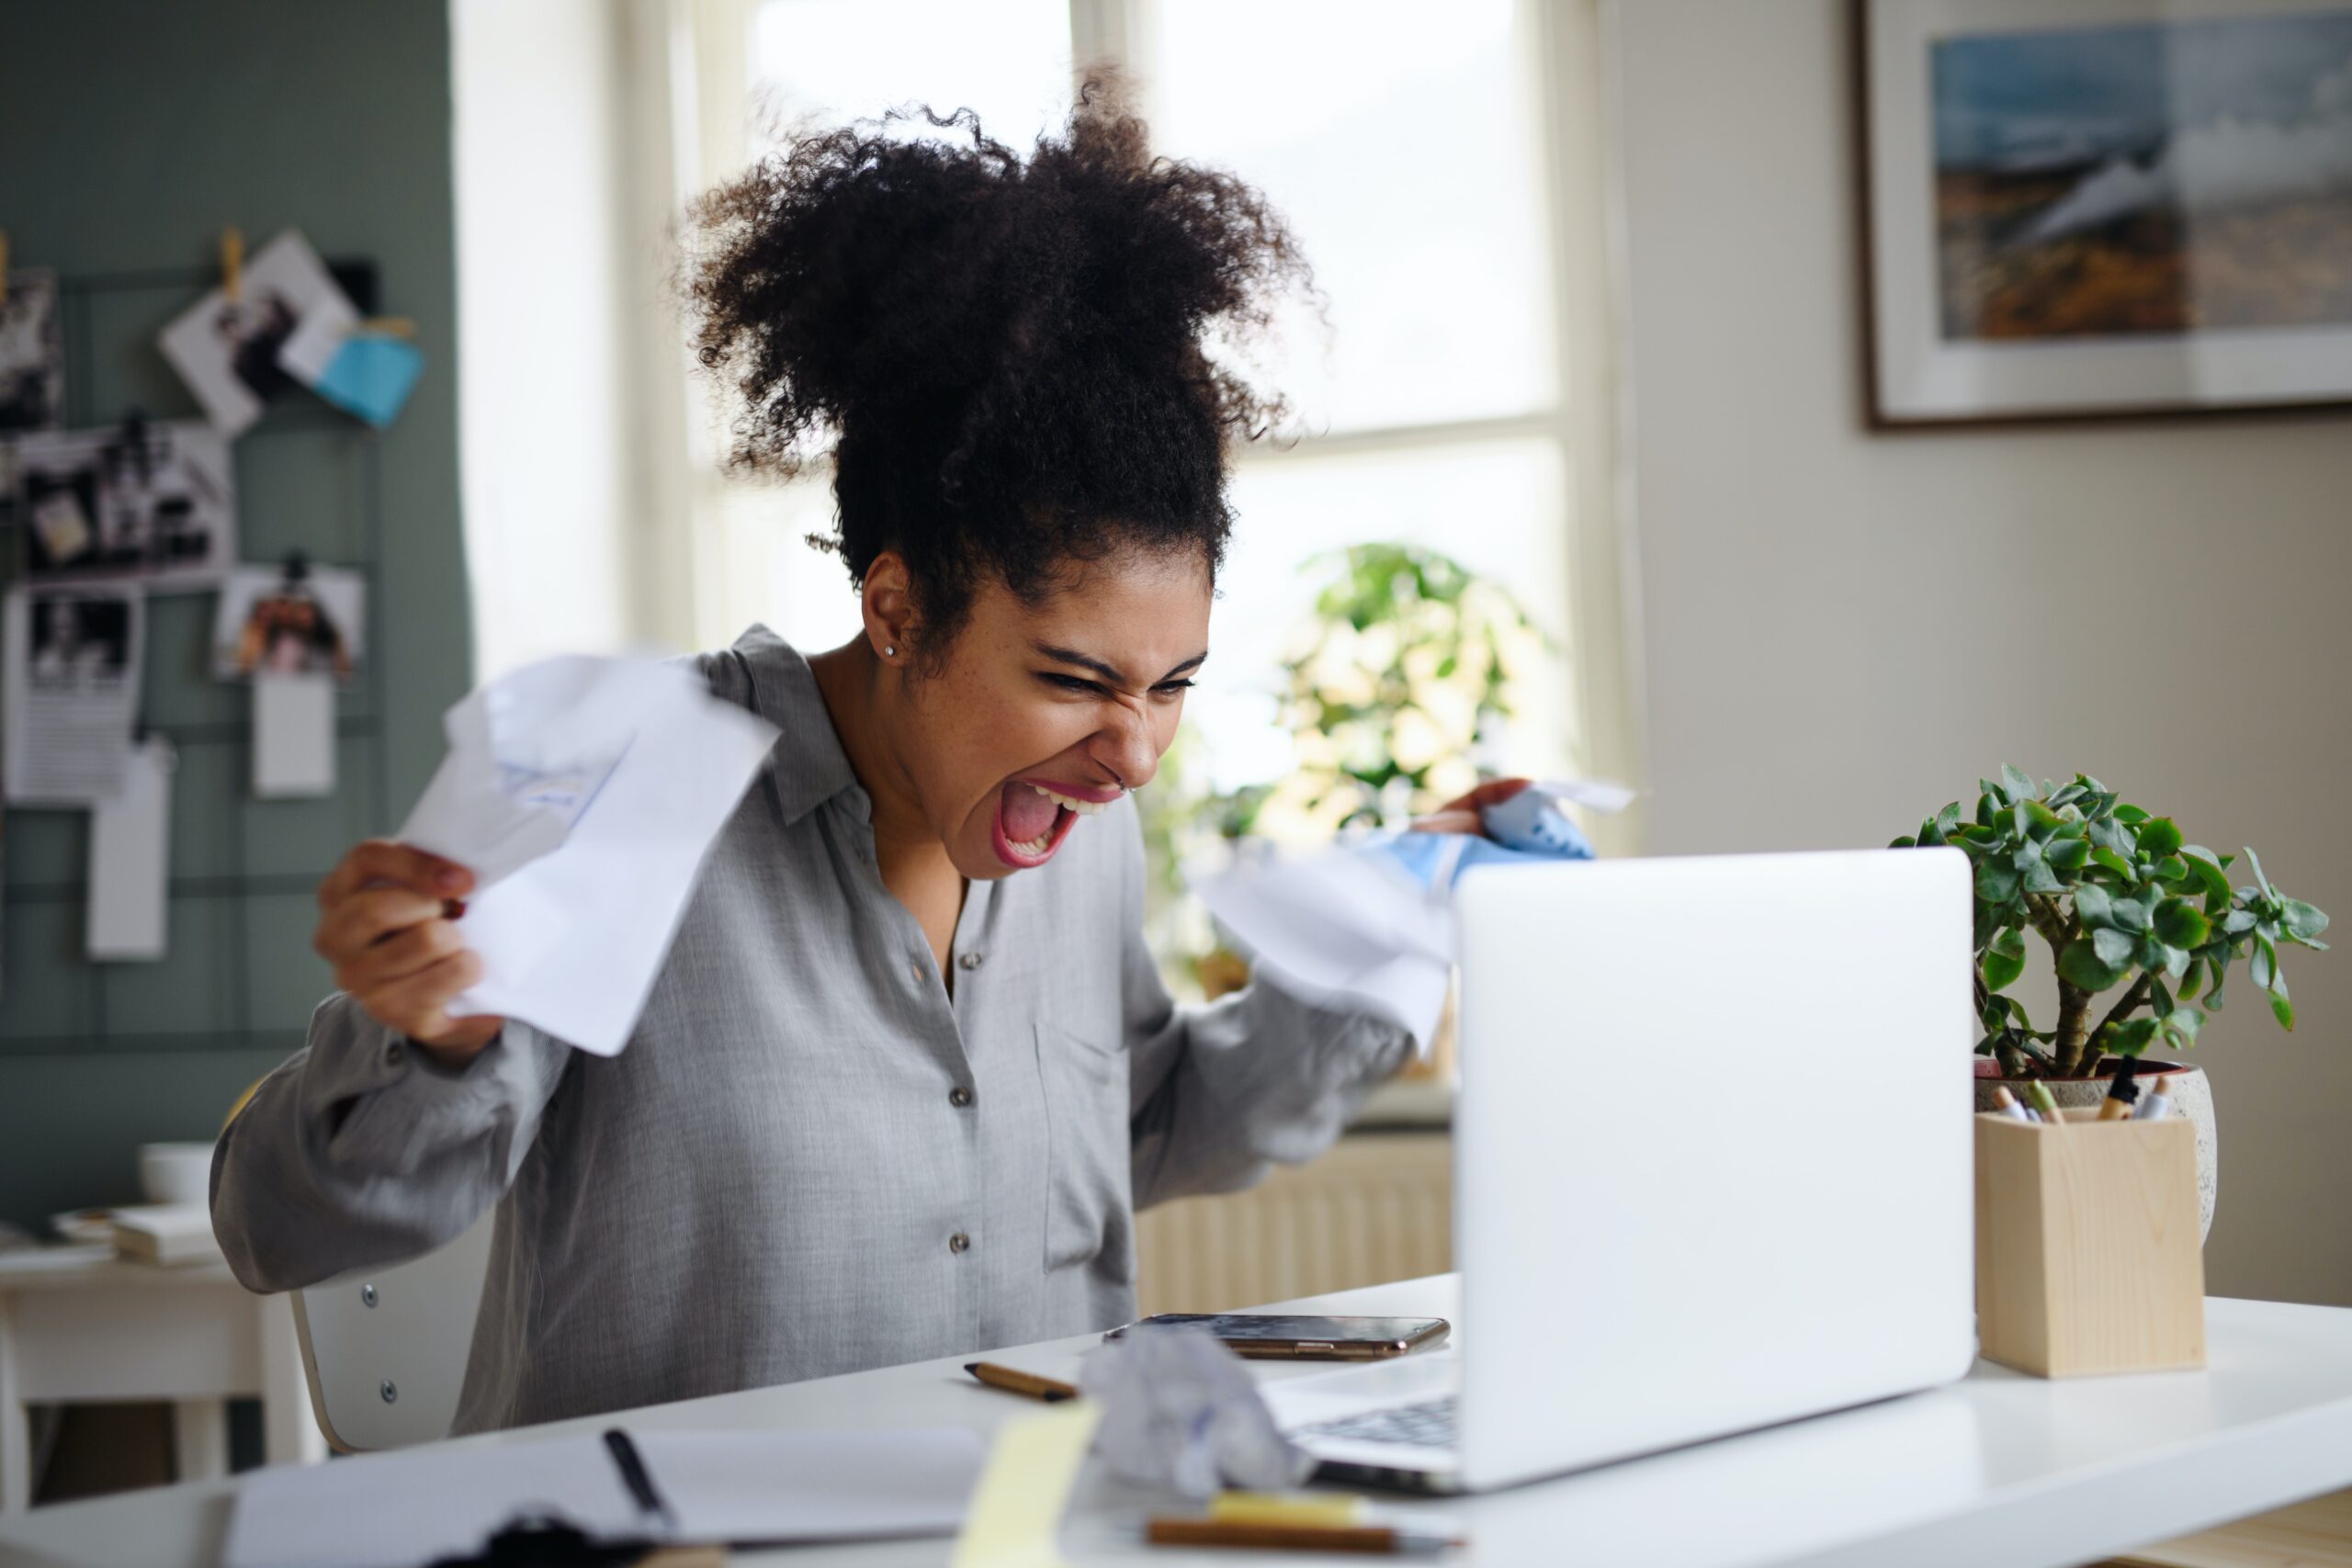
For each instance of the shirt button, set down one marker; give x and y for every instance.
(959, 1097)
(916, 969)
(970, 961)
(393, 1053)
(959, 1242)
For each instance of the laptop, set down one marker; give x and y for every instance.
(1712, 1165)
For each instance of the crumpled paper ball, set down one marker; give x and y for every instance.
(1181, 1412)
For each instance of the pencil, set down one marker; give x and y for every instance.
(1028, 1384)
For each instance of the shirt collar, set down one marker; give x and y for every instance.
(808, 766)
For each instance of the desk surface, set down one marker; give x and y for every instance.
(1996, 1469)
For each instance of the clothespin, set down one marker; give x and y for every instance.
(4, 266)
(233, 264)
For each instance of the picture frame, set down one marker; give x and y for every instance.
(2083, 210)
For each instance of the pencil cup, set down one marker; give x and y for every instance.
(2087, 1246)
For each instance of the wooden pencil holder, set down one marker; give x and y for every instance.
(2087, 1255)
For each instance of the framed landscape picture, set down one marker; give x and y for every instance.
(2096, 207)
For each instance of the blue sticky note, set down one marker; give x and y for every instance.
(371, 377)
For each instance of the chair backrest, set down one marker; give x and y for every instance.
(385, 1348)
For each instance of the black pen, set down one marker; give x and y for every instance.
(639, 1481)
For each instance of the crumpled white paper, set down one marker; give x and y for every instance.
(1181, 1412)
(583, 794)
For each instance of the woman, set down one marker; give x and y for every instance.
(907, 1068)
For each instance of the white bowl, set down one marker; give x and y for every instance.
(175, 1173)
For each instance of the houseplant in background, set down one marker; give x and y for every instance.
(2121, 899)
(1397, 684)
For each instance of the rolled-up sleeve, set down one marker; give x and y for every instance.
(1220, 1093)
(365, 1149)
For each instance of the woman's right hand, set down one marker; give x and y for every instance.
(385, 924)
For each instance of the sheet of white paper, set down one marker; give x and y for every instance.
(397, 1509)
(1338, 925)
(583, 794)
(130, 849)
(71, 691)
(293, 735)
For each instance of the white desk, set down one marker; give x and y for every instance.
(1996, 1472)
(77, 1324)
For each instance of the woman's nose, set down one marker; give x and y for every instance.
(1124, 745)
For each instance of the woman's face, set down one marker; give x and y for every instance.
(1042, 713)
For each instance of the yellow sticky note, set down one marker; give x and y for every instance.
(1017, 1506)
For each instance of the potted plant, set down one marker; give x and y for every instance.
(2121, 899)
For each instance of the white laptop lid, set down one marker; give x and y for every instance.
(1712, 1148)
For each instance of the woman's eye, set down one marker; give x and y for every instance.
(1172, 688)
(1072, 683)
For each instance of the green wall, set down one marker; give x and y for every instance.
(131, 132)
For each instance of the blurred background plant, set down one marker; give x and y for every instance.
(1397, 688)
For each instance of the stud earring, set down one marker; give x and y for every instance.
(890, 652)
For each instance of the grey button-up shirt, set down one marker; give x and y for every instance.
(811, 1159)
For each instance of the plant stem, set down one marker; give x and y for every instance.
(2074, 1007)
(2130, 1004)
(2013, 1061)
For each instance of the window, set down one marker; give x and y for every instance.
(1418, 151)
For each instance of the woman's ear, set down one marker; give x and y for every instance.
(888, 603)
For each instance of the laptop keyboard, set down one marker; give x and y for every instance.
(1428, 1425)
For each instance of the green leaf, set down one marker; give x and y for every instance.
(2130, 816)
(2172, 871)
(2070, 793)
(1987, 808)
(1996, 793)
(2038, 877)
(2195, 977)
(2131, 1039)
(2114, 948)
(2179, 923)
(2302, 920)
(2035, 821)
(2080, 965)
(2094, 905)
(2182, 1024)
(2237, 922)
(2160, 1002)
(2283, 1011)
(2067, 854)
(2206, 866)
(2131, 914)
(1948, 820)
(2004, 960)
(1905, 843)
(1996, 882)
(1986, 919)
(2113, 862)
(2259, 880)
(2019, 784)
(2158, 836)
(2152, 954)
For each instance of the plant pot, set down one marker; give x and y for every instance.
(2193, 1097)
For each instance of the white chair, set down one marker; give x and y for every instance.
(385, 1348)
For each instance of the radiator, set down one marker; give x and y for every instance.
(1377, 1206)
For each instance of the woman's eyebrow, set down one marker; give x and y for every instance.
(1110, 672)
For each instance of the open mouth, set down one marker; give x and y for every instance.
(1033, 818)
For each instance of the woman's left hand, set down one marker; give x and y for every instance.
(1461, 815)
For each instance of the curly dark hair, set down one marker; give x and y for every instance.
(1007, 354)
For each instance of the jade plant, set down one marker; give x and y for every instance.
(2122, 900)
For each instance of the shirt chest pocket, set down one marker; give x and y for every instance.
(1088, 1216)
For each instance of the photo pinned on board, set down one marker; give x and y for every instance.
(151, 504)
(295, 619)
(233, 353)
(32, 354)
(72, 686)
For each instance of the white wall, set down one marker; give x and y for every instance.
(546, 321)
(1842, 631)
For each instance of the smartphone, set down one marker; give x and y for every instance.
(1260, 1336)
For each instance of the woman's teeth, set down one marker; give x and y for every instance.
(1036, 846)
(1068, 803)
